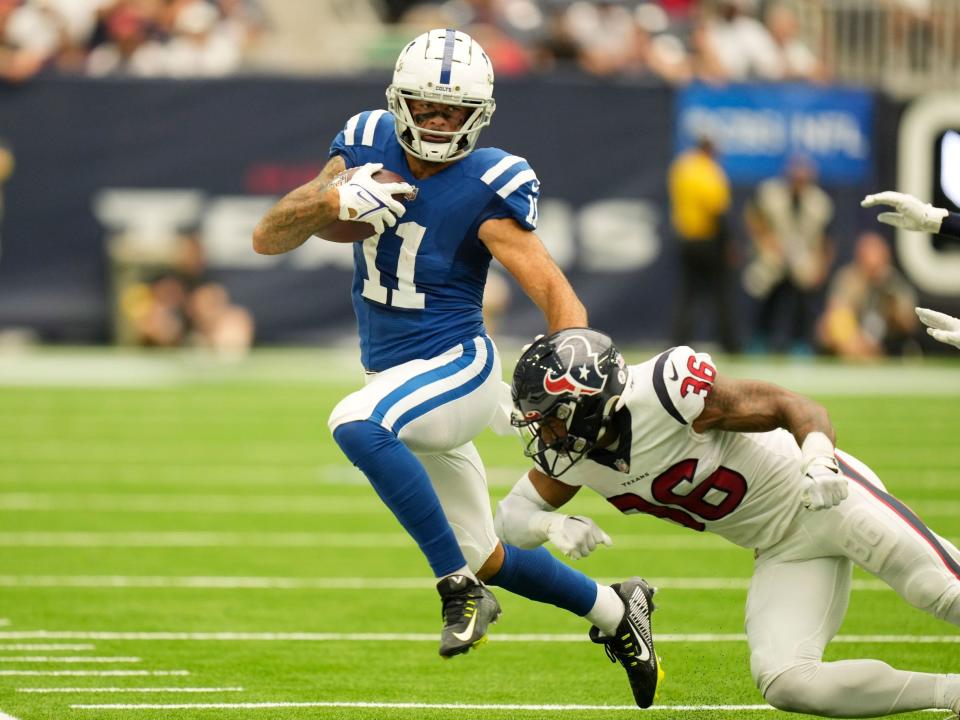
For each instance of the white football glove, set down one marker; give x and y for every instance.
(824, 486)
(576, 536)
(363, 199)
(911, 213)
(940, 326)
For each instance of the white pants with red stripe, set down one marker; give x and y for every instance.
(800, 590)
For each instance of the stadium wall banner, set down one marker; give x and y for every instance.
(757, 128)
(102, 159)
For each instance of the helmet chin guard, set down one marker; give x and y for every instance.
(447, 67)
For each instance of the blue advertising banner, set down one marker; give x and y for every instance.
(756, 128)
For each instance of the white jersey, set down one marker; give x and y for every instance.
(742, 486)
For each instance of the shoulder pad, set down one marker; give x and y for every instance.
(367, 128)
(682, 379)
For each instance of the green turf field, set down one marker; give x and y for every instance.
(176, 534)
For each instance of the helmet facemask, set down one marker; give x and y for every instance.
(461, 141)
(567, 432)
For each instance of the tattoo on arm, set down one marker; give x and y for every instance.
(298, 215)
(756, 406)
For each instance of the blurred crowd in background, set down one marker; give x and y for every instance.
(674, 40)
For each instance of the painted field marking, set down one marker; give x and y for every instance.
(55, 659)
(49, 647)
(426, 706)
(4, 716)
(91, 673)
(4, 622)
(202, 504)
(131, 690)
(231, 582)
(427, 637)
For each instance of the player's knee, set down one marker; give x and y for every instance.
(935, 592)
(795, 690)
(359, 437)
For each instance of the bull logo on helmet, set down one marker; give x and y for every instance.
(582, 374)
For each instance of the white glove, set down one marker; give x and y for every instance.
(911, 214)
(363, 199)
(823, 484)
(576, 536)
(940, 326)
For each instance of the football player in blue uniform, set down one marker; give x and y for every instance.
(433, 375)
(914, 214)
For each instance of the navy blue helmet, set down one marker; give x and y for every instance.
(565, 390)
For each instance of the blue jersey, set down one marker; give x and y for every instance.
(418, 287)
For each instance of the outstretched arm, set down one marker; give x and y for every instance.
(756, 406)
(914, 214)
(524, 256)
(526, 518)
(941, 326)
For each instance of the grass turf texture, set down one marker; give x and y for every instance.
(216, 477)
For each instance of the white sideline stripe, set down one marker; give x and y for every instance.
(500, 168)
(48, 647)
(91, 673)
(518, 180)
(349, 132)
(371, 127)
(307, 540)
(430, 706)
(332, 583)
(132, 690)
(432, 637)
(55, 659)
(203, 504)
(203, 539)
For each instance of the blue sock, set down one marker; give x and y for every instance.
(404, 486)
(539, 576)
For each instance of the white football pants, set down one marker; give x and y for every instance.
(799, 593)
(437, 407)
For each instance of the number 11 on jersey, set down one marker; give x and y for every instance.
(406, 295)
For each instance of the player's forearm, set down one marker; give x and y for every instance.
(296, 217)
(802, 416)
(560, 305)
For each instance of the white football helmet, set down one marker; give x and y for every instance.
(442, 66)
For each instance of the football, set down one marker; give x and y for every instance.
(348, 231)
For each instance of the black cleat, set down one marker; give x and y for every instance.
(632, 645)
(468, 608)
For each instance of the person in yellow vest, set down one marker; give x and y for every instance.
(699, 202)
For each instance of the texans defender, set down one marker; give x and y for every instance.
(756, 464)
(433, 375)
(914, 214)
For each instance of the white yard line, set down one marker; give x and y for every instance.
(131, 690)
(49, 647)
(315, 504)
(203, 539)
(55, 659)
(4, 716)
(428, 637)
(427, 706)
(411, 706)
(333, 583)
(91, 673)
